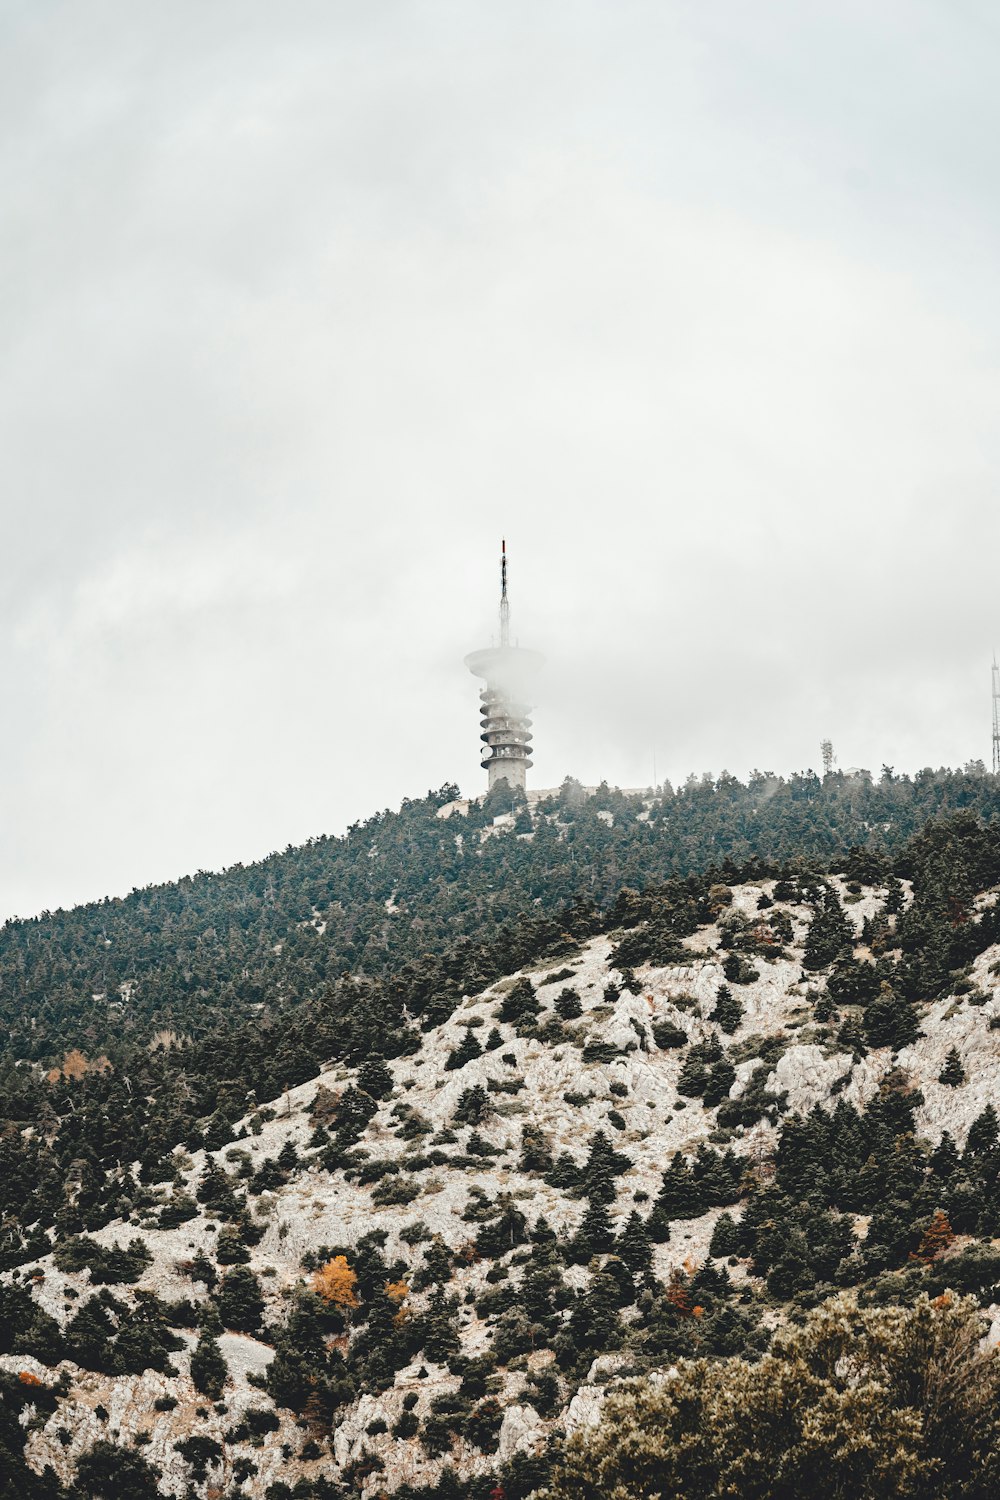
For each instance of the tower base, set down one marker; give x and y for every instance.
(513, 772)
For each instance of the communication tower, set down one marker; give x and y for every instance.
(508, 672)
(996, 717)
(829, 759)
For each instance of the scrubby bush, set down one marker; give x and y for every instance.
(888, 1402)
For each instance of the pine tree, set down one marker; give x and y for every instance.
(241, 1305)
(209, 1370)
(725, 1237)
(568, 1005)
(473, 1107)
(729, 1010)
(945, 1158)
(466, 1050)
(634, 1246)
(595, 1235)
(830, 932)
(952, 1073)
(890, 1021)
(983, 1133)
(375, 1078)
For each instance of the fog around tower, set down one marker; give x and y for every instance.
(305, 307)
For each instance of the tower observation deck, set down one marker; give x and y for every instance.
(505, 700)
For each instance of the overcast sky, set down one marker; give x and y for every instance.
(303, 306)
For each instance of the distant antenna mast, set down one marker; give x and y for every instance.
(996, 717)
(829, 759)
(504, 603)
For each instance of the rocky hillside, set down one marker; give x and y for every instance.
(416, 1275)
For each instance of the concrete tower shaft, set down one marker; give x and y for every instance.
(506, 699)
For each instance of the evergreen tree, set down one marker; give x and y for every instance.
(519, 1006)
(890, 1021)
(441, 1341)
(209, 1371)
(952, 1073)
(725, 1239)
(830, 932)
(984, 1133)
(729, 1010)
(374, 1078)
(720, 1080)
(466, 1050)
(107, 1472)
(595, 1235)
(945, 1159)
(535, 1153)
(634, 1246)
(568, 1005)
(680, 1197)
(240, 1303)
(473, 1107)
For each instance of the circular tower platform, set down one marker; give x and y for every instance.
(508, 672)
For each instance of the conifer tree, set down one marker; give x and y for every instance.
(240, 1303)
(729, 1010)
(634, 1246)
(725, 1239)
(720, 1080)
(466, 1050)
(952, 1073)
(473, 1107)
(936, 1238)
(945, 1159)
(535, 1153)
(209, 1371)
(595, 1235)
(679, 1198)
(983, 1133)
(568, 1006)
(890, 1021)
(830, 932)
(374, 1078)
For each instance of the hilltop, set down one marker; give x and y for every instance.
(671, 1129)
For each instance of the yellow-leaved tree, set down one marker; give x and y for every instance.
(336, 1283)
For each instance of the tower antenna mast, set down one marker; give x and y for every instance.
(508, 672)
(504, 601)
(996, 717)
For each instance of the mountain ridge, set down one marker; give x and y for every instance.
(605, 1110)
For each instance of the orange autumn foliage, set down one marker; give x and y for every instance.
(335, 1282)
(75, 1064)
(26, 1378)
(677, 1294)
(398, 1291)
(936, 1238)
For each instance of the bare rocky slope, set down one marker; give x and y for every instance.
(461, 1204)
